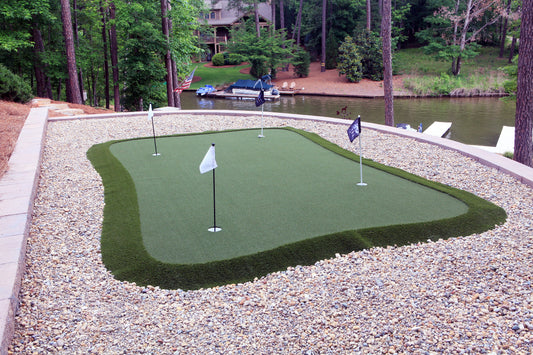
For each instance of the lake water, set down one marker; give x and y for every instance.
(474, 120)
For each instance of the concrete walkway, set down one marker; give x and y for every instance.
(19, 185)
(17, 190)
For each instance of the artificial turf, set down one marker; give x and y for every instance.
(281, 200)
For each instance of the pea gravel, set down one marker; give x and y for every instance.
(466, 295)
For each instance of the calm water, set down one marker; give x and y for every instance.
(475, 120)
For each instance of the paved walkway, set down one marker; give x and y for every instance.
(19, 185)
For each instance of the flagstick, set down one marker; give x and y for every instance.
(261, 135)
(156, 154)
(214, 228)
(361, 162)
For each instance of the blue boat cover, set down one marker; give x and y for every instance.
(249, 84)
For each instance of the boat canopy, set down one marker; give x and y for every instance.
(249, 85)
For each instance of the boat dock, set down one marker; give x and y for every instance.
(505, 142)
(438, 129)
(226, 95)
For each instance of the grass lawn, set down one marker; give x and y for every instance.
(218, 76)
(282, 200)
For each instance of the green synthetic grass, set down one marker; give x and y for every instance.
(282, 200)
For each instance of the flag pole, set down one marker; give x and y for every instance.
(360, 159)
(262, 120)
(214, 229)
(151, 115)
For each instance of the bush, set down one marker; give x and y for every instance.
(259, 66)
(233, 59)
(301, 62)
(370, 48)
(349, 61)
(218, 59)
(12, 87)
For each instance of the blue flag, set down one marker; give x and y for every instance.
(259, 100)
(355, 129)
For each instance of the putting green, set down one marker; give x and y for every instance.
(272, 191)
(288, 199)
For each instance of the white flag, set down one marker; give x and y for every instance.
(150, 112)
(209, 162)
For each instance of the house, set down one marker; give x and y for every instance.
(221, 18)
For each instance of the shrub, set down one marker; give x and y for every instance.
(233, 59)
(259, 66)
(349, 61)
(12, 87)
(370, 48)
(301, 62)
(218, 59)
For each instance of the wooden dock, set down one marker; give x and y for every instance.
(505, 142)
(225, 95)
(438, 129)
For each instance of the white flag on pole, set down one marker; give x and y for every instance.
(150, 112)
(208, 163)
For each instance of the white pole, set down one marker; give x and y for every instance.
(361, 161)
(261, 135)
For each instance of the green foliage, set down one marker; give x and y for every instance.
(12, 87)
(361, 57)
(332, 51)
(370, 49)
(142, 66)
(218, 59)
(265, 53)
(301, 63)
(233, 59)
(226, 58)
(121, 240)
(219, 76)
(511, 84)
(350, 61)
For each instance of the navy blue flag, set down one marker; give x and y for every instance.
(259, 100)
(355, 129)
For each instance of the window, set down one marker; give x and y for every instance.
(212, 15)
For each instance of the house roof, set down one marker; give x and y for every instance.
(230, 15)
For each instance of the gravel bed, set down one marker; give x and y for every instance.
(470, 294)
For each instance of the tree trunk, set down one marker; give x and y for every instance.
(168, 56)
(368, 15)
(504, 29)
(106, 61)
(523, 144)
(256, 14)
(386, 23)
(77, 44)
(511, 50)
(114, 56)
(44, 87)
(73, 85)
(282, 26)
(177, 97)
(299, 21)
(456, 65)
(273, 9)
(323, 61)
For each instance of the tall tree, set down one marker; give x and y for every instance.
(73, 85)
(368, 15)
(105, 51)
(168, 56)
(523, 145)
(454, 30)
(113, 50)
(323, 60)
(386, 25)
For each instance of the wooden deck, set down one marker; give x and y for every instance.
(225, 95)
(438, 129)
